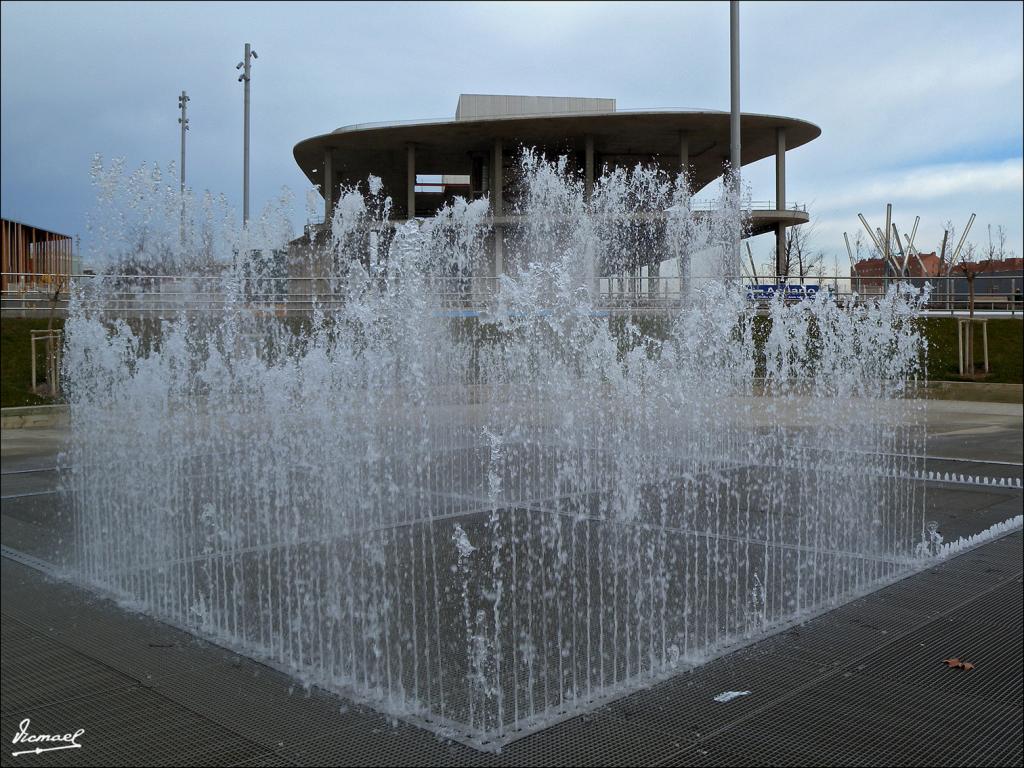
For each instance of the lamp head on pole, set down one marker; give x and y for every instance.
(245, 63)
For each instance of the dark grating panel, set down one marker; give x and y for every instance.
(847, 688)
(397, 744)
(716, 755)
(136, 645)
(857, 721)
(35, 671)
(308, 727)
(596, 739)
(897, 704)
(684, 706)
(270, 761)
(986, 633)
(832, 639)
(129, 728)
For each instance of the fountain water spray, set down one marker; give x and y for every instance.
(481, 521)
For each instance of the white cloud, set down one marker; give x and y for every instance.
(930, 182)
(933, 88)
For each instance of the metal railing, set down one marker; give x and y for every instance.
(164, 294)
(752, 205)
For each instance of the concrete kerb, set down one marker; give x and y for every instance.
(49, 416)
(978, 391)
(34, 417)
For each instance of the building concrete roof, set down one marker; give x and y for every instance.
(476, 105)
(624, 137)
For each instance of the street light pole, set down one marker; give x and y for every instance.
(183, 120)
(734, 113)
(183, 106)
(734, 72)
(246, 66)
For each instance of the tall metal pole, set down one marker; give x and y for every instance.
(734, 114)
(183, 105)
(942, 267)
(246, 66)
(853, 263)
(734, 71)
(886, 240)
(960, 245)
(183, 120)
(871, 234)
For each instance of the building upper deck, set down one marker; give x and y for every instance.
(447, 146)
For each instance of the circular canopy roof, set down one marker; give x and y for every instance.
(446, 146)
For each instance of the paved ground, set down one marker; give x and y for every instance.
(863, 684)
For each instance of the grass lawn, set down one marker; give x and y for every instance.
(1005, 353)
(16, 360)
(1005, 346)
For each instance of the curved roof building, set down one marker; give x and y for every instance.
(473, 152)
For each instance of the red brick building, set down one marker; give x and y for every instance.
(868, 274)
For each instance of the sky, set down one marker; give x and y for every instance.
(920, 104)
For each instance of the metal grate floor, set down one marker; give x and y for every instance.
(861, 685)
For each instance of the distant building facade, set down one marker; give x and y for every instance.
(869, 275)
(33, 258)
(996, 282)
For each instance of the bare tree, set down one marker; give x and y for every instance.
(969, 253)
(1001, 252)
(990, 251)
(862, 249)
(801, 258)
(996, 249)
(858, 246)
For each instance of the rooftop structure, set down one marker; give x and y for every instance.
(475, 106)
(474, 152)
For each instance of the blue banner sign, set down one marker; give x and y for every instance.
(793, 291)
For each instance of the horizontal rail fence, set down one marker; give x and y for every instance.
(33, 293)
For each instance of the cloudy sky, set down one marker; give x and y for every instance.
(920, 104)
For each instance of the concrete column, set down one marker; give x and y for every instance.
(735, 154)
(780, 198)
(497, 178)
(328, 186)
(684, 154)
(410, 181)
(497, 205)
(588, 189)
(734, 91)
(780, 169)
